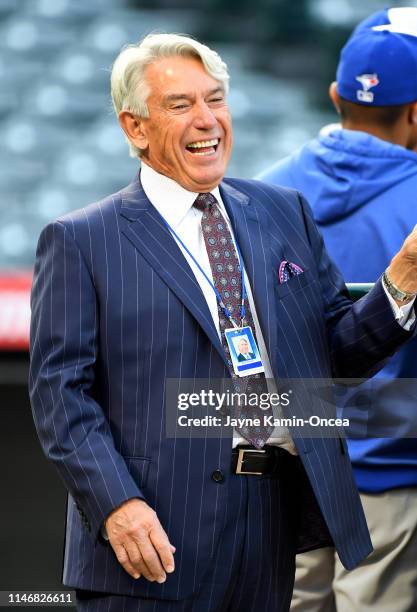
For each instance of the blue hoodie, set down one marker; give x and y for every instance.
(363, 192)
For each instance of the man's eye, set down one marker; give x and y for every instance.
(180, 106)
(214, 100)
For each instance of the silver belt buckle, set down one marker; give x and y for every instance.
(241, 460)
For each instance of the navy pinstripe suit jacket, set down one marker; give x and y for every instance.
(116, 310)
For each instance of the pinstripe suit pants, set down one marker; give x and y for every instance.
(253, 567)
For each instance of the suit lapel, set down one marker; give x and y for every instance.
(149, 234)
(251, 233)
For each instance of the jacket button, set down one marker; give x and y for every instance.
(217, 476)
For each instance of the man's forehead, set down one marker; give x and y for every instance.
(171, 76)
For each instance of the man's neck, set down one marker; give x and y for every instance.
(394, 135)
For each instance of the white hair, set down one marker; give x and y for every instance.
(129, 89)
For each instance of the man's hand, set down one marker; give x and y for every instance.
(403, 267)
(139, 542)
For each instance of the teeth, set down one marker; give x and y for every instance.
(202, 153)
(199, 144)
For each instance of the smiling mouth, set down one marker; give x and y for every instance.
(203, 147)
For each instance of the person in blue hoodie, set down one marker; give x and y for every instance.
(361, 181)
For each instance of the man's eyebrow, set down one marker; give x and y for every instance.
(183, 96)
(216, 90)
(175, 97)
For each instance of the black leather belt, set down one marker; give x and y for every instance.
(268, 460)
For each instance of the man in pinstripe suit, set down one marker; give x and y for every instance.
(123, 299)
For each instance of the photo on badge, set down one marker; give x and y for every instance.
(244, 351)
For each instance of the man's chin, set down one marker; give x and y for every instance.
(201, 183)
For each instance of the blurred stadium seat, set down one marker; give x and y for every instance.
(19, 172)
(81, 66)
(41, 139)
(69, 10)
(18, 238)
(88, 166)
(8, 7)
(52, 199)
(67, 102)
(109, 34)
(36, 36)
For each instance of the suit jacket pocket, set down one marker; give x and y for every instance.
(312, 528)
(294, 284)
(138, 468)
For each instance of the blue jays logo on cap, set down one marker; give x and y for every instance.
(367, 81)
(381, 55)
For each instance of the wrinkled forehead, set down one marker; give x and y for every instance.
(180, 75)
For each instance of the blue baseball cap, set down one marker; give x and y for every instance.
(378, 64)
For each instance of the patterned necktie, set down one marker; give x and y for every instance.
(227, 278)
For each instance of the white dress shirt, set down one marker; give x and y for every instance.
(175, 204)
(404, 315)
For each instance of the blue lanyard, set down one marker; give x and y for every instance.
(222, 305)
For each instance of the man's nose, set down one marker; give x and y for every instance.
(204, 117)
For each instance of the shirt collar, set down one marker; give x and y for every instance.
(170, 199)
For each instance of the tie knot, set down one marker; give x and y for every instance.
(204, 201)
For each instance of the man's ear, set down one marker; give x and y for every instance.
(412, 116)
(133, 127)
(334, 96)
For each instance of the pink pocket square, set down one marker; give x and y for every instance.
(287, 269)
